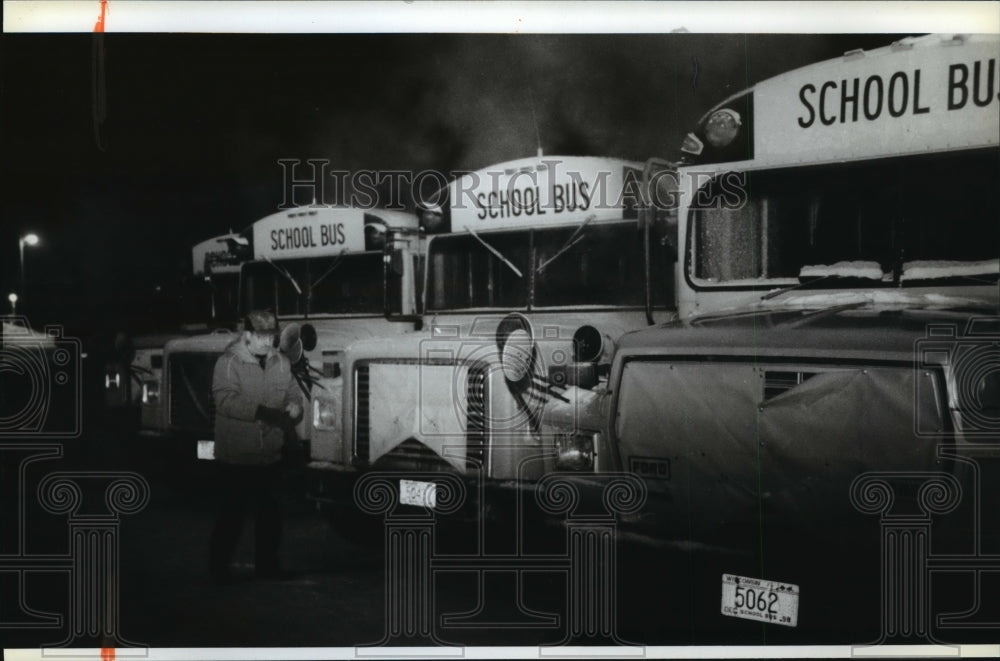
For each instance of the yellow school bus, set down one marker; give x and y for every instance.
(332, 275)
(534, 269)
(818, 434)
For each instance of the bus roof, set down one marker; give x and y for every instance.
(323, 231)
(220, 254)
(543, 190)
(919, 94)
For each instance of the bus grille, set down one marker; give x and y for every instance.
(411, 454)
(191, 405)
(475, 417)
(362, 419)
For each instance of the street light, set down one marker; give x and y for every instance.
(12, 297)
(26, 240)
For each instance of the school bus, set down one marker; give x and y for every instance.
(818, 433)
(332, 275)
(206, 299)
(558, 253)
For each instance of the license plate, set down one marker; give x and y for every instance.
(413, 492)
(206, 450)
(759, 599)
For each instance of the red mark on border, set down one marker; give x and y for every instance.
(107, 653)
(99, 27)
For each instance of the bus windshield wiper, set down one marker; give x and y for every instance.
(495, 252)
(574, 238)
(804, 283)
(336, 262)
(983, 271)
(285, 273)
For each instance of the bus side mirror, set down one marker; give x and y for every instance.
(397, 263)
(307, 334)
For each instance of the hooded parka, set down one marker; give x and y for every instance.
(239, 386)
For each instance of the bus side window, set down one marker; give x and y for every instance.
(727, 242)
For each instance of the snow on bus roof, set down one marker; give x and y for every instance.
(852, 269)
(931, 269)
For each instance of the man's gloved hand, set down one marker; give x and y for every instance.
(271, 416)
(294, 411)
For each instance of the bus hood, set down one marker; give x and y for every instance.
(333, 335)
(479, 331)
(850, 329)
(766, 418)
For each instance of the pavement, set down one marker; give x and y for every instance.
(157, 590)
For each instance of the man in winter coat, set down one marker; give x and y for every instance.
(257, 402)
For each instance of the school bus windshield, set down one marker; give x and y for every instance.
(890, 221)
(347, 284)
(600, 265)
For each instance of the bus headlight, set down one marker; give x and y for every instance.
(575, 450)
(433, 218)
(516, 356)
(516, 344)
(150, 392)
(324, 414)
(722, 127)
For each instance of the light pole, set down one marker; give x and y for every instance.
(29, 240)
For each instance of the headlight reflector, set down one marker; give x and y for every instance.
(575, 450)
(324, 414)
(150, 392)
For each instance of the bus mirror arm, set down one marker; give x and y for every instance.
(396, 265)
(392, 266)
(648, 271)
(647, 216)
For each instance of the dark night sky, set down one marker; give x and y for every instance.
(196, 124)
